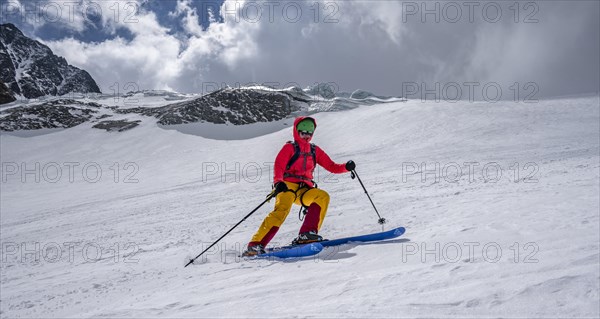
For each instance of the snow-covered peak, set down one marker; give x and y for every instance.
(30, 69)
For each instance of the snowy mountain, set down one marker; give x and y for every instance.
(500, 203)
(235, 106)
(31, 70)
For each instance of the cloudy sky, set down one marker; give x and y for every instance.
(549, 48)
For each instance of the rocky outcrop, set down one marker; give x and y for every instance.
(52, 114)
(6, 95)
(235, 106)
(117, 126)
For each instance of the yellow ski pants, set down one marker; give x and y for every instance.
(315, 199)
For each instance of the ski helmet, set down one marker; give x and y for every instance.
(306, 125)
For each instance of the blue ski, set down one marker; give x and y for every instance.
(396, 232)
(293, 252)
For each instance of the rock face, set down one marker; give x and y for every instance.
(235, 106)
(31, 70)
(5, 94)
(53, 114)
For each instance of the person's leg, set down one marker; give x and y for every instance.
(275, 219)
(317, 201)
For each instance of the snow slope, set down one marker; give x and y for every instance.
(518, 246)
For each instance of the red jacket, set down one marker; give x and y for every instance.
(304, 165)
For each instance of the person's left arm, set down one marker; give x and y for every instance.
(324, 160)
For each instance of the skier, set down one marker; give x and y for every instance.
(293, 184)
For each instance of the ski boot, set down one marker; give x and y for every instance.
(307, 238)
(253, 250)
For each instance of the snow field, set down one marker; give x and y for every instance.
(540, 228)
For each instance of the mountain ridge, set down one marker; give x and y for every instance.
(236, 106)
(30, 69)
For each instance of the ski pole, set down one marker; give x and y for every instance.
(232, 228)
(381, 219)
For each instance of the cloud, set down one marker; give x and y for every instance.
(553, 55)
(149, 60)
(190, 17)
(372, 45)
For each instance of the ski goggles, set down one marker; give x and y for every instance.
(305, 133)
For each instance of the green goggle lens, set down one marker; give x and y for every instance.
(306, 126)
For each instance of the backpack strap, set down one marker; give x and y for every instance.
(297, 152)
(294, 157)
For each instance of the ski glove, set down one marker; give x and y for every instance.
(350, 166)
(280, 187)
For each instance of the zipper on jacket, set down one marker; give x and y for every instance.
(304, 167)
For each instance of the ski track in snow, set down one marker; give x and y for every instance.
(173, 209)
